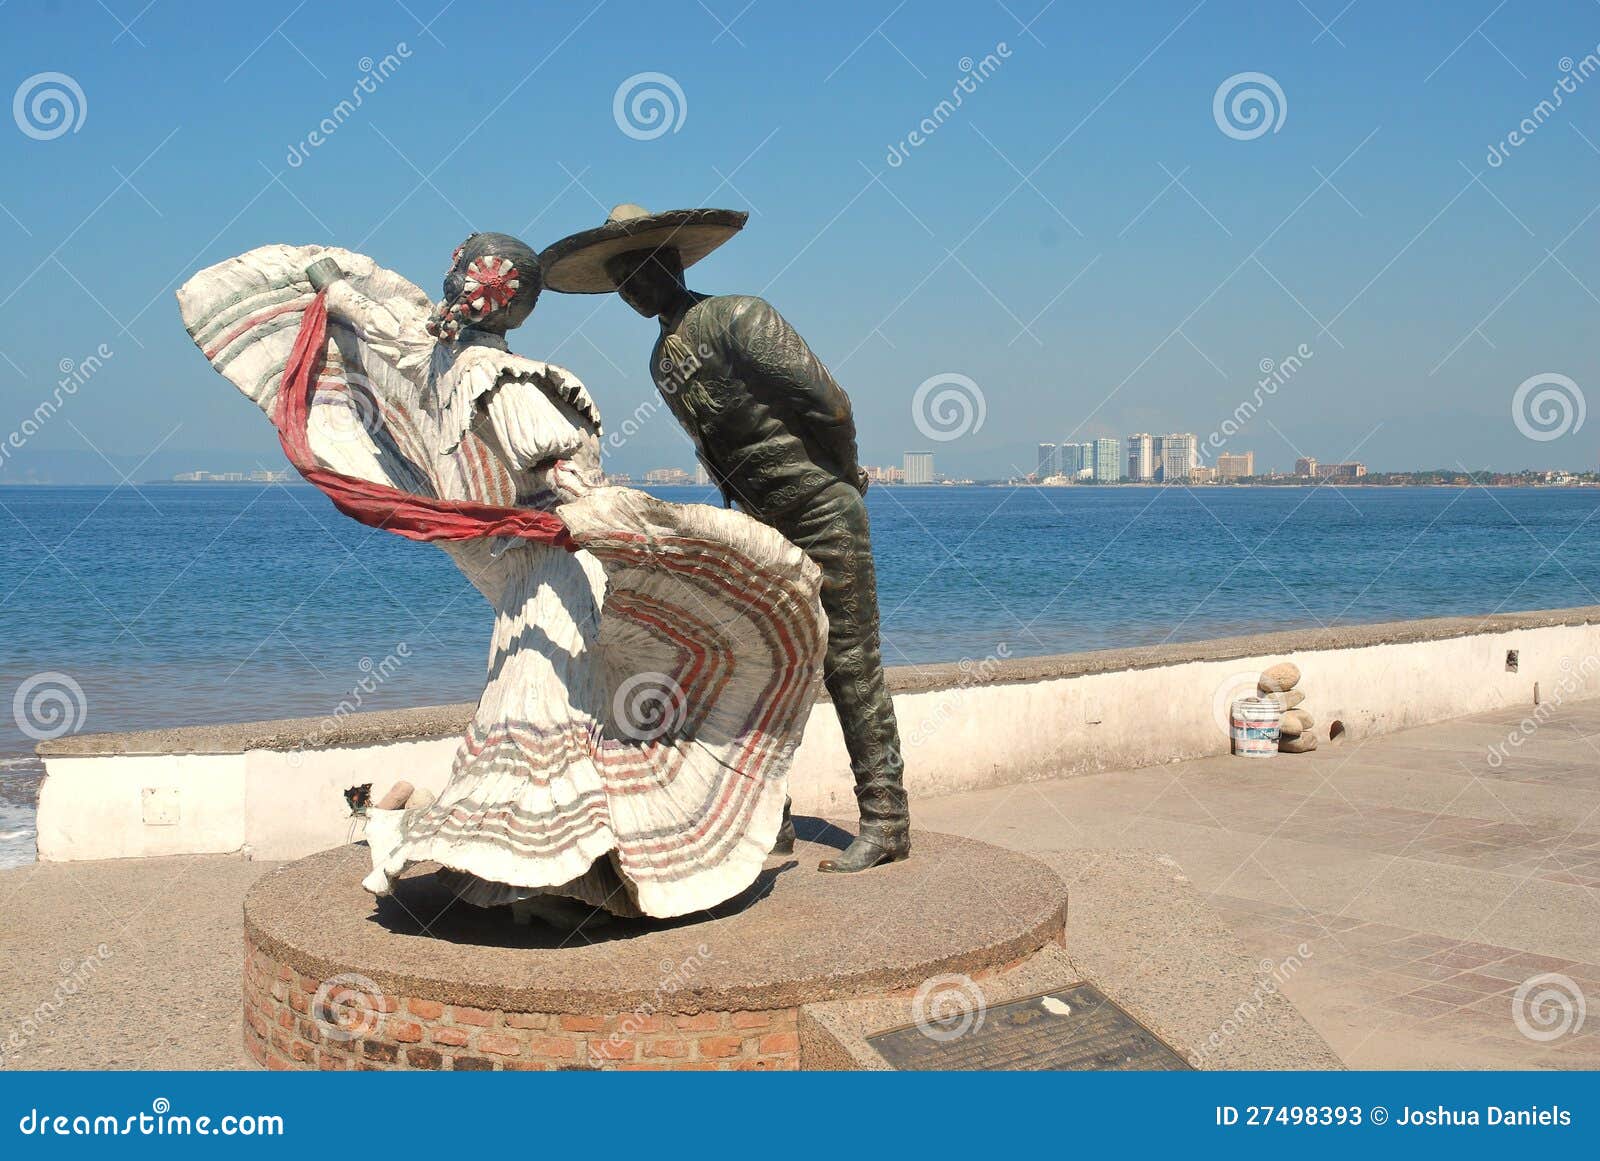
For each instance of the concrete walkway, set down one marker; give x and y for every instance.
(1425, 883)
(1399, 891)
(124, 963)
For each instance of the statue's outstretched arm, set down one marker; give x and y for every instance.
(402, 342)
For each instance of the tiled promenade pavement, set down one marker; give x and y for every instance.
(1426, 883)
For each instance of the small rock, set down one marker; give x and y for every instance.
(396, 797)
(1289, 698)
(1303, 744)
(1294, 723)
(420, 799)
(1277, 678)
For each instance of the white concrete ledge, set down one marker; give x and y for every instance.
(275, 789)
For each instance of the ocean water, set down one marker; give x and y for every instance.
(184, 604)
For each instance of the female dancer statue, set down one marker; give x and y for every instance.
(652, 664)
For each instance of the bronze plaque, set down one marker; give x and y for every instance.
(1076, 1029)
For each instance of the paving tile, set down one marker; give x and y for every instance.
(1447, 993)
(1498, 1006)
(1417, 1006)
(1456, 958)
(1534, 964)
(1426, 944)
(1508, 972)
(1482, 984)
(1421, 970)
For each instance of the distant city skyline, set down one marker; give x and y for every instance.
(258, 476)
(1229, 467)
(1140, 458)
(1137, 458)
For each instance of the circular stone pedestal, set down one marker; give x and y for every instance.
(336, 979)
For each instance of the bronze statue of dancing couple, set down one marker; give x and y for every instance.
(652, 663)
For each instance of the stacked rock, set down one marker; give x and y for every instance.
(1296, 734)
(403, 796)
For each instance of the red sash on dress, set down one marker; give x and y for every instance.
(378, 505)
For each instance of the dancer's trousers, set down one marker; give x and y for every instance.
(832, 529)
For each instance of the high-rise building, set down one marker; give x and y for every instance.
(1076, 458)
(918, 467)
(1141, 458)
(1049, 463)
(1179, 456)
(1305, 466)
(1236, 465)
(1349, 471)
(1086, 460)
(1107, 461)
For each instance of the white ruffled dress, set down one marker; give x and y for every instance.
(645, 694)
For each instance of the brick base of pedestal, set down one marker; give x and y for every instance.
(336, 980)
(295, 1021)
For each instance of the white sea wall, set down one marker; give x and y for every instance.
(966, 728)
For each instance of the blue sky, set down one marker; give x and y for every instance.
(1080, 239)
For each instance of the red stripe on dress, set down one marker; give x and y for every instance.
(250, 323)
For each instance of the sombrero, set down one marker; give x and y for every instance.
(577, 264)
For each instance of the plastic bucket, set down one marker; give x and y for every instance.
(1253, 726)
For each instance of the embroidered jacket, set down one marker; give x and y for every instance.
(766, 417)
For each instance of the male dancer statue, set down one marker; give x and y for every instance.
(776, 435)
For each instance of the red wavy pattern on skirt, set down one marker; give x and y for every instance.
(378, 505)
